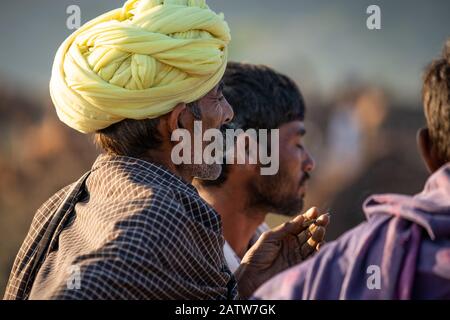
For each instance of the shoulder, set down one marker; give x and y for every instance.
(44, 214)
(40, 222)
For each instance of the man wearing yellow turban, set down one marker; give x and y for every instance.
(134, 227)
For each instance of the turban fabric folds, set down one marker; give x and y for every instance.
(138, 62)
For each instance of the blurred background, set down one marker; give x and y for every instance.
(362, 88)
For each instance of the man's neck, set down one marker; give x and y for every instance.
(163, 159)
(238, 220)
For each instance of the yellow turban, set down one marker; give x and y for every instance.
(138, 62)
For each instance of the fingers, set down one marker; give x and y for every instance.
(308, 223)
(311, 226)
(304, 236)
(293, 227)
(293, 251)
(320, 245)
(317, 236)
(311, 214)
(323, 220)
(305, 226)
(313, 238)
(309, 245)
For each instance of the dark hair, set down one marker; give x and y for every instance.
(436, 100)
(129, 137)
(133, 138)
(261, 99)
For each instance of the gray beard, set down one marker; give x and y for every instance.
(206, 171)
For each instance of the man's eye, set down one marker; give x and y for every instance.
(300, 146)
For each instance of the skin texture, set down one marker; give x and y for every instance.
(279, 249)
(283, 193)
(215, 111)
(246, 197)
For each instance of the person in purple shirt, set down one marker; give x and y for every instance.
(402, 251)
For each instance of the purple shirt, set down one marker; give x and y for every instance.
(402, 251)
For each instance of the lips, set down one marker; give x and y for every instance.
(304, 179)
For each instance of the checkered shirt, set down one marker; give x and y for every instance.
(140, 232)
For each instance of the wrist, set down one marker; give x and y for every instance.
(245, 282)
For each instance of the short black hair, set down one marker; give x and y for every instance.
(436, 101)
(262, 98)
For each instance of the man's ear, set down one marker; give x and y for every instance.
(176, 118)
(427, 151)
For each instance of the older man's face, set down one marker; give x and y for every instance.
(213, 110)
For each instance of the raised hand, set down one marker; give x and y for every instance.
(280, 248)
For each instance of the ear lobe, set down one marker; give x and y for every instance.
(426, 150)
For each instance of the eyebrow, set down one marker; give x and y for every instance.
(221, 86)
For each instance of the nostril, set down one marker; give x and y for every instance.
(229, 114)
(227, 120)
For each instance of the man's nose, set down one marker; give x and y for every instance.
(228, 113)
(309, 163)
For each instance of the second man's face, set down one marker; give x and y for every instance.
(283, 193)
